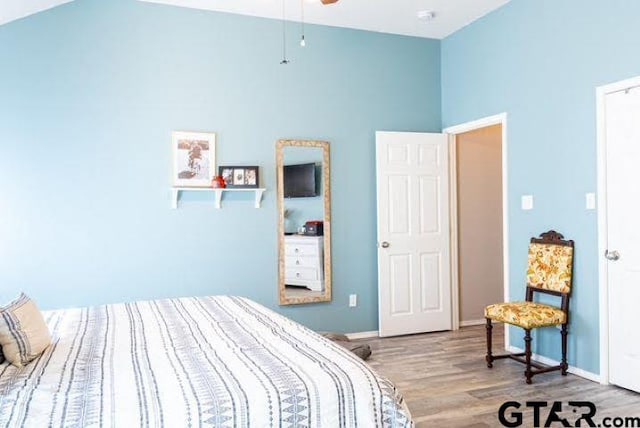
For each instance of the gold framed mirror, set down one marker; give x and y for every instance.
(304, 221)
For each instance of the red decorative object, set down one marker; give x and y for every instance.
(218, 182)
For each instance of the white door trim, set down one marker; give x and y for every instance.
(498, 119)
(601, 93)
(453, 233)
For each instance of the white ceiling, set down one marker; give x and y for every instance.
(10, 10)
(386, 16)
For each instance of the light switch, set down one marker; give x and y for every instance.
(590, 201)
(353, 300)
(527, 202)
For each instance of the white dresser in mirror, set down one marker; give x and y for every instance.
(304, 261)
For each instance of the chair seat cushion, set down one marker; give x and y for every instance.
(526, 314)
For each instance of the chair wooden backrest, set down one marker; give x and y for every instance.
(550, 268)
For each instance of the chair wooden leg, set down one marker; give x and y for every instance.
(563, 364)
(489, 357)
(527, 350)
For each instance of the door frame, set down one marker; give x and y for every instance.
(452, 132)
(601, 93)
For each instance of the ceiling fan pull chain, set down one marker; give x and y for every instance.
(284, 36)
(303, 42)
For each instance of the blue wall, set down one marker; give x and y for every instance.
(89, 94)
(541, 61)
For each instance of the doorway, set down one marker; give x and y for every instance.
(479, 216)
(411, 279)
(478, 159)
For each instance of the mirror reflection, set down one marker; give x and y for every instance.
(304, 208)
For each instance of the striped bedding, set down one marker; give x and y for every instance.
(205, 362)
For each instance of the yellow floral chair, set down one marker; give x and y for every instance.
(550, 271)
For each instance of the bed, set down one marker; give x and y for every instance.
(217, 361)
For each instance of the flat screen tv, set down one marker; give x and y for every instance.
(300, 180)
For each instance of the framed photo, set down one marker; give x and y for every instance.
(194, 158)
(240, 177)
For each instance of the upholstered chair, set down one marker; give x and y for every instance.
(550, 271)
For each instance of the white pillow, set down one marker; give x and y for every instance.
(23, 333)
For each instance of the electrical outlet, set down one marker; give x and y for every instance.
(353, 300)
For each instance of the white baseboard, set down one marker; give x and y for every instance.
(548, 361)
(362, 335)
(470, 323)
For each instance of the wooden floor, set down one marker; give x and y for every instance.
(445, 382)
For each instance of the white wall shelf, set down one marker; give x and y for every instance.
(175, 192)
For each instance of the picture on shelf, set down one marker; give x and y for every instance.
(240, 177)
(193, 158)
(227, 175)
(251, 177)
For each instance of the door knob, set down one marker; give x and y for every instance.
(612, 255)
(384, 244)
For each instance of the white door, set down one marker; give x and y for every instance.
(623, 241)
(414, 292)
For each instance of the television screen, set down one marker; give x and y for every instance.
(300, 180)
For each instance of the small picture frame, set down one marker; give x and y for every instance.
(194, 159)
(240, 177)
